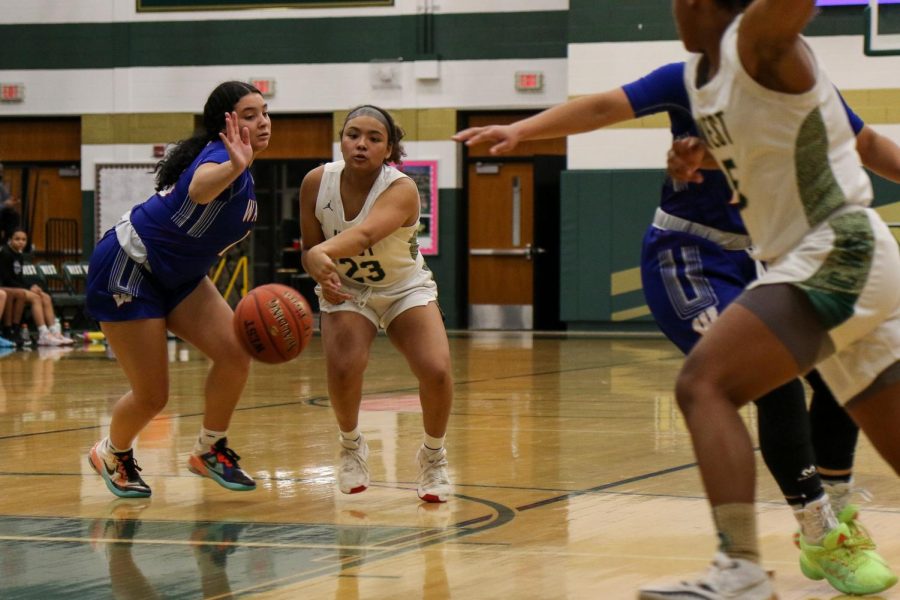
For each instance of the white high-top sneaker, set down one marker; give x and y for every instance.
(353, 471)
(433, 480)
(727, 579)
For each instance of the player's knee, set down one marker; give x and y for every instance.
(233, 357)
(155, 400)
(691, 388)
(347, 366)
(436, 372)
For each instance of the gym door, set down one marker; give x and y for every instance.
(501, 245)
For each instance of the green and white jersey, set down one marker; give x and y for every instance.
(790, 158)
(392, 260)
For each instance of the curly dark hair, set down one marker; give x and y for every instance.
(221, 100)
(394, 131)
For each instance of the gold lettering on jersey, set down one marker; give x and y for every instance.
(714, 130)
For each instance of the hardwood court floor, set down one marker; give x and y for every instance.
(574, 478)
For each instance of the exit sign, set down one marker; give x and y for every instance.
(266, 87)
(12, 92)
(529, 81)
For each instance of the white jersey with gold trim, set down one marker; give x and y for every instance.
(791, 158)
(388, 262)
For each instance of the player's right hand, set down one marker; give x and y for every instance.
(505, 136)
(685, 158)
(237, 142)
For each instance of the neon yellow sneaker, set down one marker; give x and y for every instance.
(847, 559)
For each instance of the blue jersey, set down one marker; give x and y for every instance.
(185, 239)
(706, 203)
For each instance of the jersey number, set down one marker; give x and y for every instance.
(372, 267)
(730, 167)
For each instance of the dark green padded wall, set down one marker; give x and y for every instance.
(604, 215)
(449, 264)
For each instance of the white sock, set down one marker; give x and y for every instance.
(42, 330)
(434, 443)
(106, 450)
(207, 438)
(351, 436)
(55, 328)
(839, 493)
(816, 519)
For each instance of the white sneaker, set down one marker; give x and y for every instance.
(433, 480)
(63, 340)
(727, 579)
(353, 473)
(47, 339)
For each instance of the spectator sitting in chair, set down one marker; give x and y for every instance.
(11, 262)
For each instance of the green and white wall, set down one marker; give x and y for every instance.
(136, 79)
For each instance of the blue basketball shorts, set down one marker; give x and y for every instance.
(689, 280)
(120, 289)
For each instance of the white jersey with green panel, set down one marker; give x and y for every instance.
(394, 259)
(791, 157)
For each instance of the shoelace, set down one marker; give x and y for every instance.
(357, 458)
(435, 471)
(129, 467)
(226, 456)
(859, 538)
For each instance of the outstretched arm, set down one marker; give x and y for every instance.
(575, 116)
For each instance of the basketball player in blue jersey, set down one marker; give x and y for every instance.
(830, 297)
(359, 220)
(148, 275)
(698, 236)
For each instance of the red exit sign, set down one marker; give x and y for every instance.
(529, 81)
(12, 92)
(265, 86)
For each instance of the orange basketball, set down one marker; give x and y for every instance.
(274, 323)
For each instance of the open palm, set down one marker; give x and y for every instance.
(237, 141)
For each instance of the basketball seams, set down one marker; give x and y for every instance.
(273, 306)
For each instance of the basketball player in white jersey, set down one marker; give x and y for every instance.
(831, 297)
(359, 220)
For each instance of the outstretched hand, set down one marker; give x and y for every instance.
(321, 268)
(685, 159)
(505, 136)
(237, 142)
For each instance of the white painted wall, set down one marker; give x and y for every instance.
(599, 67)
(299, 88)
(104, 11)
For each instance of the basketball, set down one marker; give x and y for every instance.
(274, 323)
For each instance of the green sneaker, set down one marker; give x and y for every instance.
(847, 559)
